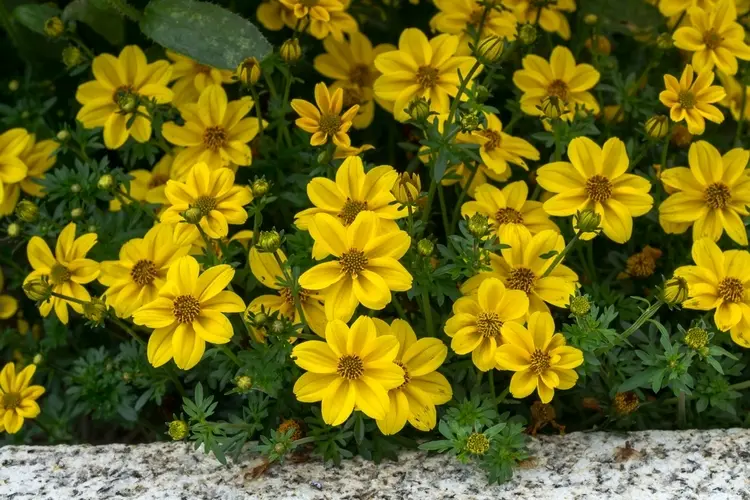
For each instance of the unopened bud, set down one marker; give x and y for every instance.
(244, 383)
(664, 41)
(76, 213)
(37, 290)
(470, 122)
(260, 187)
(95, 311)
(527, 34)
(106, 182)
(126, 100)
(418, 109)
(290, 51)
(580, 306)
(425, 247)
(587, 221)
(407, 188)
(479, 225)
(71, 56)
(27, 211)
(13, 85)
(696, 338)
(590, 19)
(75, 188)
(269, 241)
(63, 135)
(248, 72)
(490, 49)
(675, 291)
(13, 230)
(553, 107)
(54, 27)
(38, 358)
(192, 215)
(657, 126)
(178, 430)
(277, 326)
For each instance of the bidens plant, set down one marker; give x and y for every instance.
(390, 225)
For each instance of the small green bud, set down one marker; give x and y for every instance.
(76, 213)
(106, 182)
(244, 383)
(590, 19)
(696, 338)
(126, 100)
(95, 311)
(588, 221)
(477, 444)
(479, 225)
(37, 290)
(27, 211)
(269, 241)
(277, 326)
(260, 187)
(192, 215)
(664, 41)
(25, 115)
(657, 126)
(482, 93)
(75, 188)
(71, 56)
(54, 27)
(470, 121)
(425, 247)
(63, 135)
(580, 306)
(178, 430)
(13, 230)
(418, 109)
(91, 228)
(527, 34)
(37, 360)
(13, 85)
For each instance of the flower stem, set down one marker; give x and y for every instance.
(664, 151)
(645, 316)
(428, 205)
(69, 299)
(443, 207)
(398, 307)
(681, 410)
(127, 329)
(209, 246)
(428, 312)
(457, 100)
(295, 289)
(256, 98)
(556, 133)
(741, 119)
(230, 354)
(461, 197)
(562, 254)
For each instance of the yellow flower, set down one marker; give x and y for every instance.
(423, 388)
(712, 194)
(539, 357)
(17, 397)
(352, 65)
(691, 100)
(66, 271)
(326, 121)
(715, 38)
(136, 278)
(111, 99)
(421, 68)
(477, 320)
(353, 368)
(549, 15)
(274, 15)
(407, 189)
(13, 142)
(456, 16)
(38, 158)
(342, 152)
(562, 78)
(595, 178)
(215, 132)
(508, 209)
(8, 304)
(721, 281)
(366, 267)
(673, 8)
(147, 185)
(212, 192)
(192, 78)
(521, 267)
(266, 269)
(189, 311)
(461, 174)
(323, 17)
(733, 100)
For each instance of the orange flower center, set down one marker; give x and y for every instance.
(508, 216)
(598, 188)
(489, 325)
(731, 290)
(205, 204)
(539, 361)
(361, 75)
(11, 400)
(717, 195)
(143, 272)
(215, 138)
(288, 295)
(350, 210)
(329, 124)
(350, 367)
(157, 180)
(352, 96)
(59, 274)
(493, 140)
(686, 98)
(186, 308)
(427, 77)
(353, 262)
(521, 278)
(407, 378)
(712, 39)
(641, 265)
(559, 89)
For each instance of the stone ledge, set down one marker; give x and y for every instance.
(663, 465)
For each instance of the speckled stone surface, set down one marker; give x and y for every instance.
(658, 465)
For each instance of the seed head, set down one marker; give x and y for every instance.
(580, 306)
(178, 430)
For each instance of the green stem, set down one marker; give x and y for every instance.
(209, 246)
(443, 207)
(271, 86)
(556, 133)
(428, 312)
(127, 329)
(295, 288)
(69, 299)
(398, 307)
(681, 410)
(230, 354)
(126, 199)
(428, 205)
(410, 220)
(664, 151)
(590, 258)
(461, 197)
(492, 387)
(562, 254)
(741, 120)
(647, 314)
(457, 99)
(256, 227)
(177, 383)
(256, 99)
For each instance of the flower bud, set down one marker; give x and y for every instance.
(425, 247)
(675, 291)
(13, 85)
(75, 188)
(37, 290)
(54, 27)
(95, 311)
(482, 93)
(553, 107)
(418, 109)
(696, 338)
(106, 182)
(178, 430)
(470, 121)
(13, 230)
(490, 49)
(192, 215)
(479, 225)
(277, 326)
(38, 358)
(76, 213)
(664, 41)
(25, 115)
(260, 187)
(407, 188)
(244, 383)
(290, 51)
(657, 126)
(63, 135)
(580, 306)
(590, 19)
(91, 228)
(71, 56)
(248, 72)
(269, 241)
(256, 319)
(527, 34)
(27, 211)
(587, 221)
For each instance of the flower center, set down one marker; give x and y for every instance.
(407, 378)
(350, 210)
(508, 216)
(712, 39)
(731, 290)
(686, 98)
(489, 325)
(521, 278)
(696, 338)
(493, 140)
(205, 204)
(353, 262)
(352, 96)
(11, 400)
(559, 89)
(427, 77)
(539, 361)
(475, 18)
(215, 138)
(598, 188)
(59, 274)
(361, 75)
(288, 295)
(125, 98)
(330, 124)
(157, 180)
(717, 195)
(203, 69)
(143, 272)
(350, 367)
(186, 308)
(641, 265)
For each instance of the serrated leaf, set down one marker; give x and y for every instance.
(208, 33)
(33, 16)
(104, 22)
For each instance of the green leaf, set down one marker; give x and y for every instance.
(105, 22)
(208, 33)
(33, 16)
(639, 380)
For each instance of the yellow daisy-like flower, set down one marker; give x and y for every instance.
(595, 178)
(13, 142)
(461, 174)
(691, 99)
(521, 267)
(733, 100)
(672, 8)
(508, 209)
(136, 278)
(477, 320)
(215, 132)
(325, 121)
(67, 271)
(423, 388)
(352, 65)
(539, 357)
(324, 17)
(191, 78)
(38, 158)
(456, 16)
(266, 269)
(343, 152)
(17, 397)
(110, 100)
(715, 38)
(562, 78)
(353, 368)
(712, 194)
(721, 281)
(147, 185)
(549, 15)
(189, 311)
(212, 192)
(421, 68)
(8, 304)
(366, 267)
(274, 15)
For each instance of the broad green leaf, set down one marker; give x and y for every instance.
(105, 22)
(33, 16)
(208, 33)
